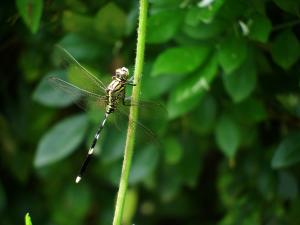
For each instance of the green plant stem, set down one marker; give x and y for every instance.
(128, 152)
(286, 25)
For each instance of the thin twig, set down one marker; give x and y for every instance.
(128, 152)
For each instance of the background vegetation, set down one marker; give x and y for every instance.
(227, 72)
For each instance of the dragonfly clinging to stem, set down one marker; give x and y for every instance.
(113, 95)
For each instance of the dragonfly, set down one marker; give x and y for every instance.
(110, 96)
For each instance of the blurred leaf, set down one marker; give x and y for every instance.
(139, 169)
(287, 186)
(61, 140)
(232, 52)
(241, 82)
(161, 83)
(163, 25)
(180, 60)
(79, 23)
(172, 150)
(190, 165)
(51, 96)
(291, 6)
(204, 118)
(204, 12)
(74, 204)
(260, 28)
(285, 55)
(250, 111)
(31, 12)
(2, 198)
(27, 219)
(290, 102)
(113, 147)
(170, 184)
(130, 206)
(110, 22)
(188, 93)
(204, 31)
(132, 19)
(81, 48)
(166, 2)
(31, 62)
(288, 151)
(259, 6)
(227, 136)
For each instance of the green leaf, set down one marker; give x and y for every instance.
(27, 219)
(291, 6)
(188, 93)
(173, 150)
(204, 12)
(285, 49)
(171, 183)
(163, 25)
(77, 23)
(76, 201)
(288, 186)
(61, 140)
(162, 83)
(241, 82)
(232, 52)
(166, 2)
(227, 136)
(190, 166)
(260, 28)
(81, 48)
(51, 96)
(290, 103)
(113, 147)
(288, 151)
(205, 31)
(31, 62)
(233, 10)
(110, 22)
(203, 119)
(31, 12)
(2, 198)
(180, 60)
(250, 111)
(143, 164)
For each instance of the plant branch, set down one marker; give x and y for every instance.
(128, 152)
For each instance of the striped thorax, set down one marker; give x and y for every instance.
(116, 89)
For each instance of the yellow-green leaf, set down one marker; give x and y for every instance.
(31, 12)
(180, 60)
(27, 219)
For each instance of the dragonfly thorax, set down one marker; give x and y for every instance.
(116, 89)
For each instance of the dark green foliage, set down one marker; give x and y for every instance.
(227, 73)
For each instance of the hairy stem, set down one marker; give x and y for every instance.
(128, 152)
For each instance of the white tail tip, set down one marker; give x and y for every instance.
(78, 178)
(91, 151)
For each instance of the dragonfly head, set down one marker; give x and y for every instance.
(122, 74)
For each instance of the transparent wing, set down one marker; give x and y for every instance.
(150, 123)
(78, 74)
(83, 98)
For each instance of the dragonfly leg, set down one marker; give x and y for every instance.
(130, 81)
(126, 101)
